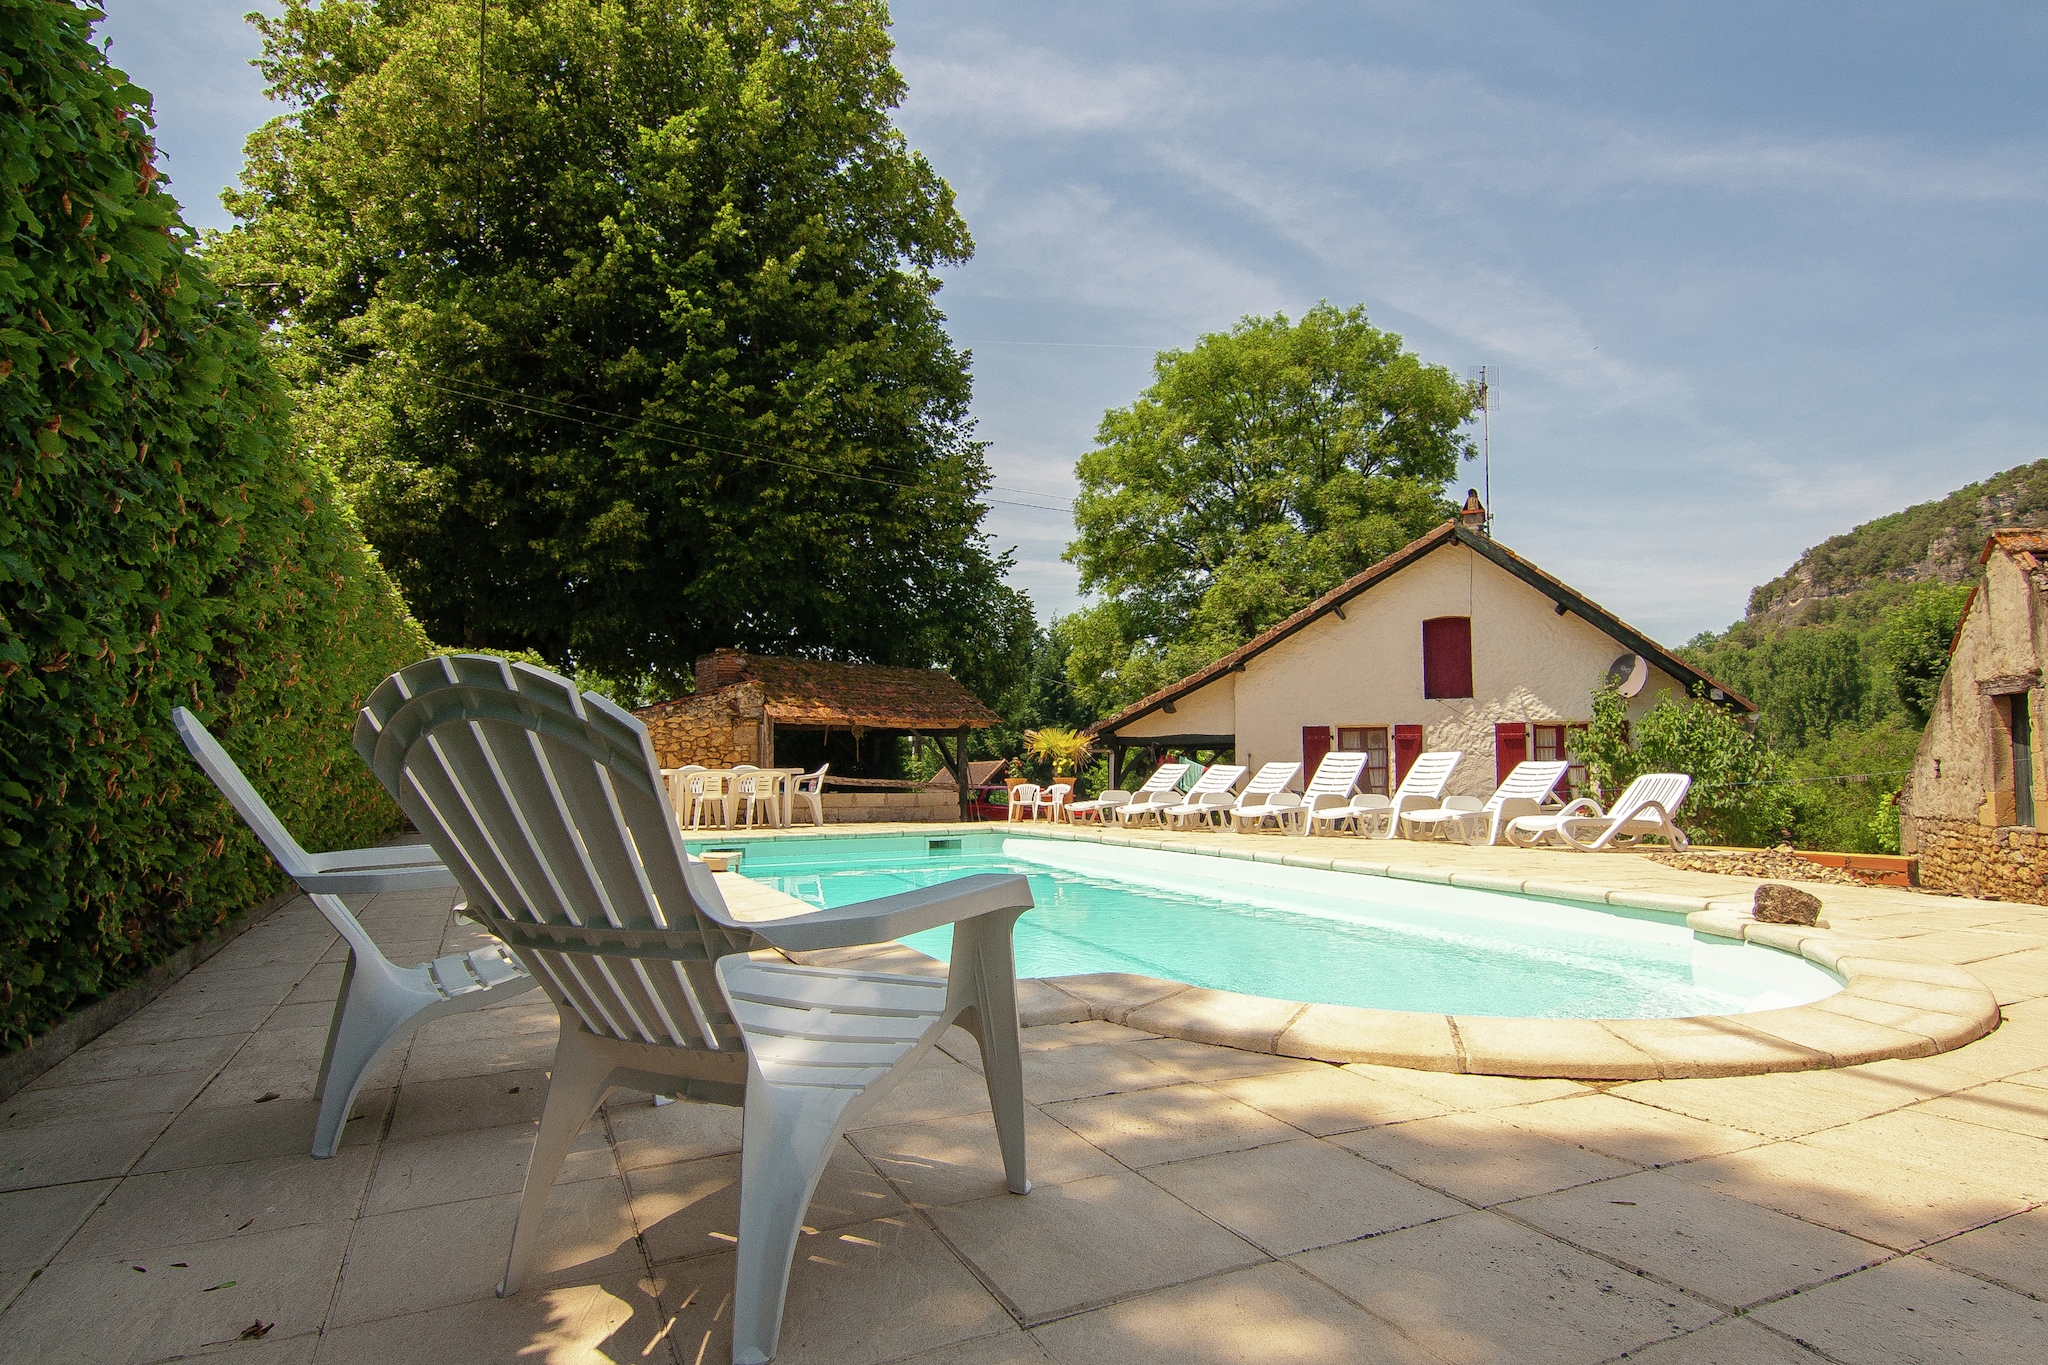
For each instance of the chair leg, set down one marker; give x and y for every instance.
(785, 1142)
(984, 971)
(348, 976)
(376, 1011)
(582, 1074)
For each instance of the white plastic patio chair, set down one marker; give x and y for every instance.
(1159, 791)
(754, 789)
(1368, 813)
(1527, 787)
(1051, 801)
(1266, 797)
(1422, 787)
(1099, 808)
(381, 1003)
(1649, 807)
(711, 794)
(680, 795)
(811, 787)
(1210, 796)
(1336, 777)
(548, 808)
(1023, 802)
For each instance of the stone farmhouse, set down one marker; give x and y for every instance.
(1452, 642)
(1970, 808)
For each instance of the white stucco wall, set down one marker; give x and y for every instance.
(1528, 665)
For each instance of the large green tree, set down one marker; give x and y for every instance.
(618, 318)
(1261, 468)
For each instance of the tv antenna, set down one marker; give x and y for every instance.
(1486, 398)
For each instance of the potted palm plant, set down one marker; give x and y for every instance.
(1068, 751)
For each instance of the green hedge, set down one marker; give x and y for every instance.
(160, 543)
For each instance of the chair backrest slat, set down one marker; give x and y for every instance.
(1336, 775)
(1430, 771)
(1668, 790)
(1273, 777)
(1531, 780)
(1165, 778)
(1220, 778)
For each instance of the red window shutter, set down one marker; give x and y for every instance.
(1407, 748)
(1315, 743)
(1447, 657)
(1510, 746)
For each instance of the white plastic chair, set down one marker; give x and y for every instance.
(548, 808)
(1052, 801)
(1422, 787)
(1023, 802)
(381, 1003)
(1160, 790)
(811, 787)
(1649, 807)
(1266, 797)
(1336, 777)
(1523, 793)
(680, 793)
(1211, 795)
(754, 788)
(711, 794)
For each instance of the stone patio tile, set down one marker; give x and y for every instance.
(1845, 1039)
(248, 1132)
(56, 1153)
(1225, 1018)
(137, 1097)
(1721, 1248)
(416, 1259)
(1977, 945)
(1579, 1047)
(1930, 1143)
(286, 1063)
(1717, 1046)
(1113, 995)
(159, 1022)
(1041, 1002)
(1914, 1313)
(1064, 1248)
(618, 1319)
(1733, 1341)
(117, 1059)
(2014, 1108)
(1051, 1037)
(507, 1049)
(100, 1311)
(2013, 1251)
(1780, 1106)
(1292, 1196)
(1639, 1133)
(39, 1221)
(1482, 1288)
(1207, 1062)
(1344, 1033)
(320, 982)
(203, 1203)
(1005, 1348)
(938, 1088)
(1860, 1194)
(693, 1208)
(462, 1104)
(451, 1167)
(1470, 1092)
(1480, 1158)
(874, 1292)
(1073, 1073)
(1174, 1123)
(530, 1012)
(210, 990)
(949, 1161)
(1322, 1100)
(1264, 1315)
(645, 1135)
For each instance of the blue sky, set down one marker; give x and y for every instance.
(1750, 274)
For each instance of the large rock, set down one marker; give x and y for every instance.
(1780, 904)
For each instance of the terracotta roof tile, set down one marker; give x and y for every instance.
(814, 692)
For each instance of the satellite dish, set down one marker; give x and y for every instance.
(1630, 674)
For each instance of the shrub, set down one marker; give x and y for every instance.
(159, 544)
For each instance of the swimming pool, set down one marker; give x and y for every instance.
(1305, 934)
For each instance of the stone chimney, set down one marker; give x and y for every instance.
(1472, 516)
(720, 668)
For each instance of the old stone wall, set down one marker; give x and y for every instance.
(1971, 859)
(717, 729)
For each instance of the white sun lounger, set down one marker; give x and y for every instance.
(1266, 797)
(549, 809)
(381, 1003)
(1369, 812)
(1523, 793)
(1210, 794)
(1335, 779)
(1649, 807)
(1422, 786)
(1161, 790)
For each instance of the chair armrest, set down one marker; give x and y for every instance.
(893, 917)
(387, 855)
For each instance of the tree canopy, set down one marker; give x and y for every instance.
(618, 320)
(1261, 468)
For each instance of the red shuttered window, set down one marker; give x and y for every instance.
(1510, 747)
(1447, 657)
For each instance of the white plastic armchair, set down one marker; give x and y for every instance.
(1210, 796)
(1336, 777)
(1161, 790)
(810, 787)
(1023, 802)
(1053, 801)
(381, 1003)
(549, 810)
(1527, 787)
(1649, 807)
(1266, 797)
(1422, 787)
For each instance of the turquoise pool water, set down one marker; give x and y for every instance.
(1302, 934)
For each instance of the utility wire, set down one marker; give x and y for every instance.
(1832, 777)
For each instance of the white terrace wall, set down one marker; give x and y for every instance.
(1529, 665)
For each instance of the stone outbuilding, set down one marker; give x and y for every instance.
(1970, 808)
(743, 700)
(1452, 642)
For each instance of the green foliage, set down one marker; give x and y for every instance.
(1735, 798)
(1914, 643)
(1805, 682)
(633, 351)
(159, 544)
(1835, 805)
(1260, 469)
(1065, 750)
